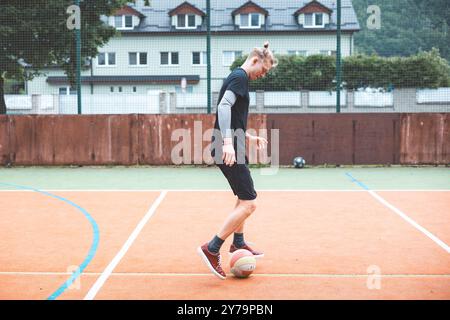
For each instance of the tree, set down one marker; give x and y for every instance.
(407, 27)
(436, 33)
(34, 35)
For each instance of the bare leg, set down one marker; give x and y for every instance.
(240, 229)
(236, 218)
(237, 203)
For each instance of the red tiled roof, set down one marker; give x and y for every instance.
(186, 8)
(250, 7)
(128, 11)
(313, 6)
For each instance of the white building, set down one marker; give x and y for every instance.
(164, 42)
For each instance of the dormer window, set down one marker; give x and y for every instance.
(250, 20)
(123, 22)
(249, 16)
(186, 21)
(186, 16)
(313, 15)
(314, 20)
(125, 18)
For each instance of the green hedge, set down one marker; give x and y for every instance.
(14, 87)
(318, 72)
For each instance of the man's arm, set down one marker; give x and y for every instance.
(224, 115)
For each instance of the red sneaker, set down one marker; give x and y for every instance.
(213, 261)
(256, 254)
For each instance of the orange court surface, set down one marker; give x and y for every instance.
(339, 242)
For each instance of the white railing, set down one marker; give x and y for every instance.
(326, 98)
(163, 102)
(111, 103)
(18, 102)
(252, 99)
(200, 100)
(282, 99)
(374, 99)
(191, 100)
(440, 95)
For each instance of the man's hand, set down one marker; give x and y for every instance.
(261, 143)
(228, 153)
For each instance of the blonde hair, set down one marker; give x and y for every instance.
(265, 54)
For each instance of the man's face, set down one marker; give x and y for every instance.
(260, 69)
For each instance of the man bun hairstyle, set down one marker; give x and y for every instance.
(264, 54)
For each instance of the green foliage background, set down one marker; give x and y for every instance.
(317, 72)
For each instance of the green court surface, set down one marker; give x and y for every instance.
(210, 178)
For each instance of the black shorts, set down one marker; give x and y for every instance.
(240, 180)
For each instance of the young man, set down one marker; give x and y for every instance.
(228, 151)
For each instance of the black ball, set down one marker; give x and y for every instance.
(299, 162)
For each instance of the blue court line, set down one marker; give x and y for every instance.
(362, 185)
(92, 250)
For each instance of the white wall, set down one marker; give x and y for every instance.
(185, 45)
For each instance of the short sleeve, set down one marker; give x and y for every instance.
(238, 84)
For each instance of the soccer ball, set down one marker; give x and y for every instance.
(299, 162)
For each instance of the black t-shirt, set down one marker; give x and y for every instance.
(237, 82)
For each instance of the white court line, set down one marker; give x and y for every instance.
(441, 243)
(109, 269)
(280, 275)
(224, 190)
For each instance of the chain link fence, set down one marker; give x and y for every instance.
(152, 56)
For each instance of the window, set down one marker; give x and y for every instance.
(230, 56)
(123, 22)
(134, 89)
(181, 21)
(169, 58)
(174, 56)
(255, 20)
(313, 20)
(143, 58)
(186, 21)
(101, 59)
(128, 21)
(199, 58)
(251, 20)
(67, 90)
(119, 89)
(191, 21)
(106, 59)
(164, 58)
(244, 20)
(318, 19)
(132, 58)
(137, 58)
(111, 58)
(118, 22)
(302, 53)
